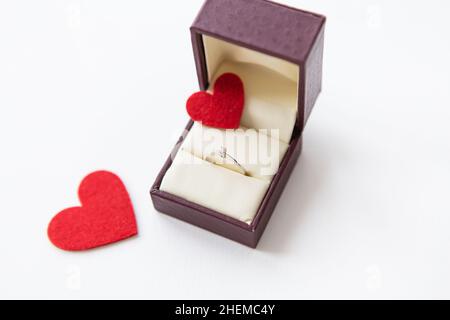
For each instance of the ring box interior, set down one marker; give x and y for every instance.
(277, 51)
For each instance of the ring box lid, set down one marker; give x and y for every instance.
(286, 35)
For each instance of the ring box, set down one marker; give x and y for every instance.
(275, 37)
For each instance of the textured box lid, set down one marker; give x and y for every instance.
(270, 28)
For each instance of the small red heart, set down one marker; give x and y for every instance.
(106, 215)
(224, 108)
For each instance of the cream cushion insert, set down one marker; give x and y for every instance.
(197, 174)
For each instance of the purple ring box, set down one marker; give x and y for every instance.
(276, 30)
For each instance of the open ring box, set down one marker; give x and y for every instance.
(277, 51)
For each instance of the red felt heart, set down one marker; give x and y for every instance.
(224, 108)
(106, 215)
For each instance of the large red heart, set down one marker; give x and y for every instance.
(106, 215)
(222, 109)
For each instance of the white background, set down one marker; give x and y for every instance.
(87, 85)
